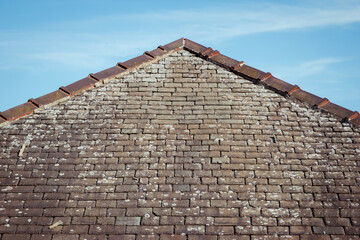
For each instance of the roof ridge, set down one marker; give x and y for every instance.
(238, 67)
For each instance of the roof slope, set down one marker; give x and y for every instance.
(179, 148)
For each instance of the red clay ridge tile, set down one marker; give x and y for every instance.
(353, 116)
(64, 89)
(108, 73)
(206, 51)
(79, 86)
(49, 98)
(294, 89)
(134, 62)
(122, 65)
(175, 45)
(250, 72)
(338, 110)
(161, 47)
(355, 120)
(322, 102)
(194, 47)
(265, 76)
(157, 52)
(277, 84)
(225, 61)
(92, 76)
(213, 54)
(306, 97)
(18, 111)
(34, 102)
(238, 65)
(149, 54)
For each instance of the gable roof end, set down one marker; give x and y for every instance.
(238, 67)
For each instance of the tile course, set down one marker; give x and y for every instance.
(180, 149)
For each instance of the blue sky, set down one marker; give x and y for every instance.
(48, 44)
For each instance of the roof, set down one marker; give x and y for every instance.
(180, 143)
(237, 67)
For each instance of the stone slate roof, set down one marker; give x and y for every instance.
(180, 143)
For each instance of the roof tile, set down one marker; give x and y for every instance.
(134, 62)
(177, 44)
(18, 111)
(49, 98)
(108, 73)
(251, 72)
(307, 97)
(157, 52)
(193, 46)
(355, 120)
(225, 61)
(213, 54)
(79, 86)
(279, 85)
(337, 110)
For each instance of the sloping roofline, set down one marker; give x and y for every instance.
(207, 53)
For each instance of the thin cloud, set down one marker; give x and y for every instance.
(104, 37)
(96, 42)
(308, 68)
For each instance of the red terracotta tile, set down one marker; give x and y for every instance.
(108, 73)
(49, 98)
(149, 54)
(193, 46)
(293, 89)
(122, 65)
(18, 111)
(337, 110)
(206, 51)
(177, 44)
(250, 72)
(306, 97)
(134, 62)
(213, 54)
(265, 76)
(278, 84)
(353, 116)
(225, 61)
(157, 52)
(322, 102)
(79, 86)
(355, 121)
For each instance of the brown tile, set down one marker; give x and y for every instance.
(16, 236)
(79, 86)
(108, 73)
(50, 98)
(18, 111)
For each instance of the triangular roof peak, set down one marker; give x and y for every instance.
(293, 92)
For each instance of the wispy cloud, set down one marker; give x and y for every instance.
(103, 37)
(308, 68)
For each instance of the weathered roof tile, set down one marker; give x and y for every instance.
(18, 111)
(108, 73)
(79, 86)
(49, 98)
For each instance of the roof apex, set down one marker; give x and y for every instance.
(238, 67)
